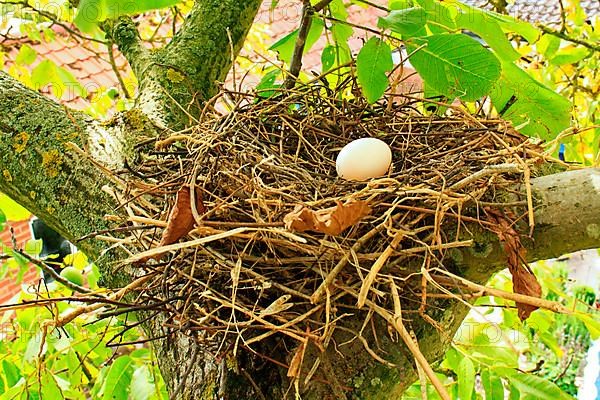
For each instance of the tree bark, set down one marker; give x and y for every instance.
(40, 170)
(175, 81)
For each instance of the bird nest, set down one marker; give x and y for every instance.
(244, 231)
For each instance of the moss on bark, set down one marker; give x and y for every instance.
(41, 171)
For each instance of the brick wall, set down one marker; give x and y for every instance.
(8, 286)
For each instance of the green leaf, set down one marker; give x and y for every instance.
(488, 29)
(549, 339)
(12, 210)
(33, 348)
(537, 110)
(118, 379)
(12, 374)
(267, 83)
(399, 4)
(142, 384)
(548, 45)
(496, 355)
(33, 247)
(372, 63)
(285, 46)
(440, 15)
(32, 30)
(328, 58)
(15, 391)
(90, 12)
(569, 55)
(592, 324)
(70, 83)
(533, 387)
(338, 10)
(2, 220)
(466, 378)
(455, 65)
(26, 56)
(43, 74)
(406, 22)
(512, 24)
(513, 393)
(453, 359)
(492, 385)
(341, 33)
(49, 387)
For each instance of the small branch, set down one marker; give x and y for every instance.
(50, 271)
(490, 170)
(372, 4)
(563, 17)
(71, 315)
(564, 36)
(296, 62)
(113, 64)
(519, 298)
(125, 35)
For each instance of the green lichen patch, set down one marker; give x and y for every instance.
(175, 76)
(52, 162)
(20, 142)
(7, 175)
(593, 231)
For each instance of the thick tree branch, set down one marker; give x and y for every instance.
(187, 71)
(39, 170)
(567, 219)
(125, 35)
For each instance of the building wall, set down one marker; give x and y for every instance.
(8, 285)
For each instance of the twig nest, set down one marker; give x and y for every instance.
(364, 159)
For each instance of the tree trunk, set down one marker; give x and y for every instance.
(42, 168)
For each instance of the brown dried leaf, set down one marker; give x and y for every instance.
(331, 221)
(296, 362)
(181, 219)
(524, 281)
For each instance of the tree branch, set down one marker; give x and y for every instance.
(567, 219)
(296, 62)
(187, 71)
(125, 35)
(39, 171)
(564, 36)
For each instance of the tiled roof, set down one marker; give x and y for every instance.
(86, 60)
(544, 11)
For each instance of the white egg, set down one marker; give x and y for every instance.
(364, 159)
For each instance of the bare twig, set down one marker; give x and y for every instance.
(50, 271)
(296, 62)
(568, 38)
(113, 64)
